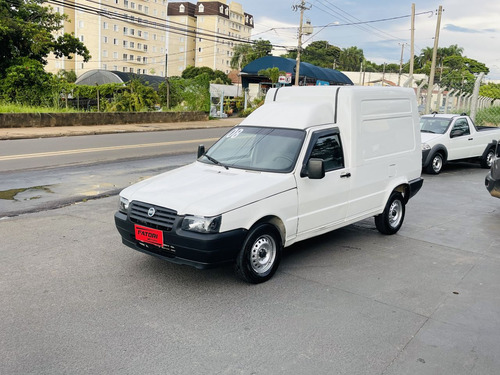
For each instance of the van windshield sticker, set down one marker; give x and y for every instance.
(234, 133)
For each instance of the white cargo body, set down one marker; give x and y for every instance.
(310, 160)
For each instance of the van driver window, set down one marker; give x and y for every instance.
(329, 149)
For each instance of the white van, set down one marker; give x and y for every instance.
(310, 160)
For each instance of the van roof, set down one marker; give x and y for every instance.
(300, 107)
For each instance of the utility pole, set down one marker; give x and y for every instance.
(433, 64)
(302, 8)
(401, 62)
(412, 42)
(166, 81)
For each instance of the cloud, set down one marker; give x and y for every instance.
(459, 29)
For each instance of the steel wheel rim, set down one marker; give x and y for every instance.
(489, 159)
(263, 254)
(437, 163)
(395, 213)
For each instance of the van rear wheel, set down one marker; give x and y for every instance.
(260, 255)
(389, 221)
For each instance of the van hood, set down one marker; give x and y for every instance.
(208, 190)
(429, 137)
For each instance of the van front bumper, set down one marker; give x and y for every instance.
(199, 250)
(492, 185)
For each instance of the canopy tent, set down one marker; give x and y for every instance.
(309, 74)
(100, 77)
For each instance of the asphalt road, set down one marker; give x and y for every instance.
(424, 301)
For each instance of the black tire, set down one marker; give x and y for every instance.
(488, 159)
(389, 221)
(436, 164)
(260, 255)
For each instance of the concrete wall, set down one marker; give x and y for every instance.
(23, 120)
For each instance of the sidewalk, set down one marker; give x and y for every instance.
(64, 131)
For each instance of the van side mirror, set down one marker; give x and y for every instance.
(315, 169)
(201, 150)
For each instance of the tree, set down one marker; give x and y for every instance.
(459, 72)
(272, 73)
(490, 90)
(27, 30)
(27, 83)
(350, 59)
(213, 75)
(243, 54)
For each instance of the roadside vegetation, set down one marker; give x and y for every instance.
(30, 31)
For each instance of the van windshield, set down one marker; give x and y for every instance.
(256, 148)
(434, 125)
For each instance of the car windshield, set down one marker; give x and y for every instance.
(256, 148)
(434, 125)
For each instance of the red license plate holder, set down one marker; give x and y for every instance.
(149, 235)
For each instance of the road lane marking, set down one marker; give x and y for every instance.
(100, 149)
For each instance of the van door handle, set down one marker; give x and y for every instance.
(345, 175)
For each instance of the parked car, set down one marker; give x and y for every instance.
(310, 160)
(492, 180)
(451, 137)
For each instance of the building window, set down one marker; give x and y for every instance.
(132, 45)
(146, 10)
(81, 24)
(125, 3)
(125, 44)
(104, 53)
(124, 69)
(115, 41)
(105, 39)
(105, 66)
(125, 57)
(131, 57)
(182, 8)
(146, 35)
(145, 48)
(105, 25)
(115, 55)
(81, 38)
(201, 8)
(131, 70)
(125, 30)
(132, 5)
(115, 27)
(115, 67)
(139, 7)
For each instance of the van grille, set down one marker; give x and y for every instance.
(163, 218)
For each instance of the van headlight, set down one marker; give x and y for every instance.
(123, 205)
(202, 224)
(425, 146)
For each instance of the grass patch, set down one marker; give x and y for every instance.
(15, 108)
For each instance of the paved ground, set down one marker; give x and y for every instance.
(62, 131)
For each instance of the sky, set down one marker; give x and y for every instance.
(471, 24)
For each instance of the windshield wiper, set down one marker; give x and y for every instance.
(428, 131)
(215, 161)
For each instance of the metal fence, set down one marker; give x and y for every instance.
(483, 110)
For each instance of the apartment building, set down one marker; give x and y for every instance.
(153, 36)
(211, 30)
(122, 35)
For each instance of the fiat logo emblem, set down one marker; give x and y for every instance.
(151, 212)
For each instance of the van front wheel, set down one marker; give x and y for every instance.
(389, 221)
(260, 255)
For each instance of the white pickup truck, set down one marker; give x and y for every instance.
(310, 160)
(452, 137)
